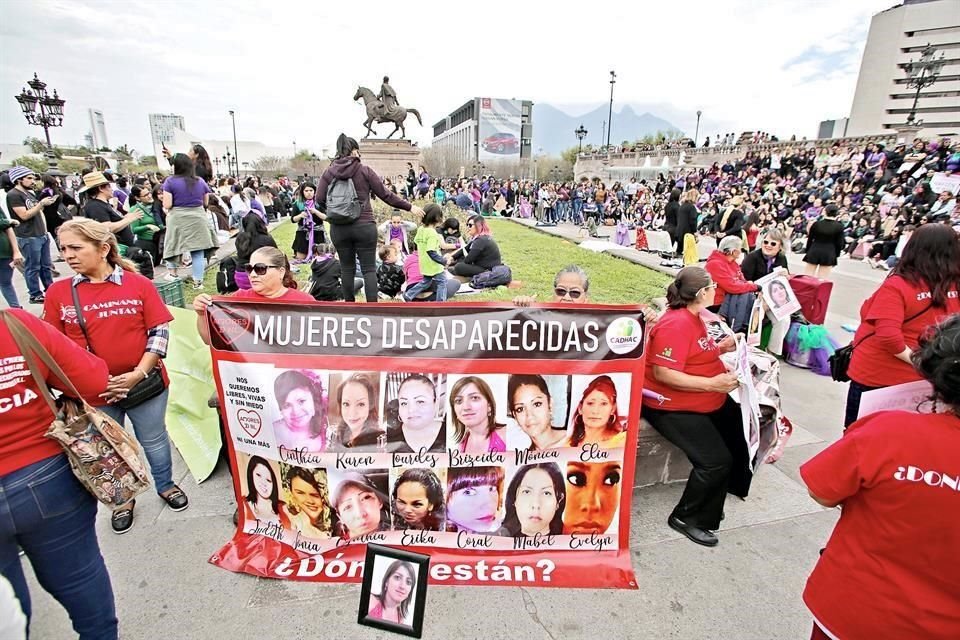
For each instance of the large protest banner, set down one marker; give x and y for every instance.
(499, 440)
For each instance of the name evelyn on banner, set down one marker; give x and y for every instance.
(499, 440)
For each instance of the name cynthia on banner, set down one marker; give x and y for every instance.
(352, 424)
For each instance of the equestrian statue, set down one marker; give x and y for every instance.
(383, 108)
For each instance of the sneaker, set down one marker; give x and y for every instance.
(37, 299)
(176, 499)
(121, 520)
(197, 285)
(171, 277)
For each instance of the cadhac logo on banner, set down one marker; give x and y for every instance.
(624, 335)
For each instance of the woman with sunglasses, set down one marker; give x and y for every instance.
(480, 254)
(270, 279)
(761, 262)
(697, 415)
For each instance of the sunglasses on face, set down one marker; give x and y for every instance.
(259, 268)
(770, 243)
(573, 293)
(469, 226)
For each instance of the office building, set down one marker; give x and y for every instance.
(98, 129)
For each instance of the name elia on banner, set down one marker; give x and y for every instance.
(495, 439)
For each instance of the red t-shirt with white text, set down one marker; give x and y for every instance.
(24, 414)
(290, 295)
(679, 341)
(118, 317)
(891, 568)
(872, 363)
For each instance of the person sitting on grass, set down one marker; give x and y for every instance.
(325, 283)
(390, 271)
(431, 262)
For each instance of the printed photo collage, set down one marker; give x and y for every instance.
(492, 461)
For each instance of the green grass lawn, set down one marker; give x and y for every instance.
(534, 259)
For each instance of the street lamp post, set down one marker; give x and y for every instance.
(294, 147)
(229, 160)
(216, 164)
(696, 134)
(50, 114)
(236, 154)
(613, 81)
(314, 159)
(603, 131)
(922, 74)
(581, 133)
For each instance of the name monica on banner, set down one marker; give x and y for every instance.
(499, 440)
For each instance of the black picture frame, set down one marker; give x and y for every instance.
(421, 562)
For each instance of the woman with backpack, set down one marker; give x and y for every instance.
(356, 236)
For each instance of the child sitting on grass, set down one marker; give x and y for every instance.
(390, 272)
(325, 274)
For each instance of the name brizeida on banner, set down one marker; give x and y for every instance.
(499, 440)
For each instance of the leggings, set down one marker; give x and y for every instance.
(352, 241)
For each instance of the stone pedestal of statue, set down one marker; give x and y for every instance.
(389, 158)
(907, 132)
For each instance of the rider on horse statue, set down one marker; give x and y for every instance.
(388, 98)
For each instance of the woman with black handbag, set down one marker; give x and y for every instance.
(117, 314)
(43, 503)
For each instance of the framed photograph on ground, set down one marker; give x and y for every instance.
(394, 590)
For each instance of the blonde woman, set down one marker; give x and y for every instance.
(130, 332)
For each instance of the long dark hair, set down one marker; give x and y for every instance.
(253, 226)
(434, 520)
(346, 145)
(512, 522)
(202, 164)
(184, 167)
(931, 258)
(938, 360)
(343, 429)
(251, 496)
(290, 380)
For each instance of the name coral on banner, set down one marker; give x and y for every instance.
(499, 440)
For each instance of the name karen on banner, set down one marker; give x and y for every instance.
(499, 440)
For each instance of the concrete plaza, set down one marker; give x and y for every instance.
(747, 587)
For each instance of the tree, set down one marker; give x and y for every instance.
(36, 144)
(37, 165)
(270, 164)
(150, 161)
(72, 166)
(570, 155)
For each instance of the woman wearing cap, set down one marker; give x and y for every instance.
(357, 239)
(185, 198)
(31, 231)
(890, 568)
(361, 506)
(130, 332)
(47, 513)
(697, 415)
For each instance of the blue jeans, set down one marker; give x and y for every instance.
(440, 280)
(151, 431)
(854, 391)
(576, 218)
(36, 255)
(7, 289)
(46, 512)
(199, 264)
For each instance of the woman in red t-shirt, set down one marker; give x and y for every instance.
(47, 512)
(891, 568)
(920, 291)
(697, 415)
(126, 324)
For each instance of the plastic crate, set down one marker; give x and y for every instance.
(171, 292)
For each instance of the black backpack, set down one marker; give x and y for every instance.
(227, 276)
(343, 205)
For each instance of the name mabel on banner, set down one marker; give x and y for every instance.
(501, 441)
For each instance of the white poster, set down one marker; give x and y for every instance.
(499, 129)
(943, 181)
(778, 294)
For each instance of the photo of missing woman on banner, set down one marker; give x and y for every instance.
(354, 413)
(600, 413)
(538, 405)
(417, 500)
(301, 404)
(778, 295)
(361, 502)
(535, 501)
(306, 499)
(414, 412)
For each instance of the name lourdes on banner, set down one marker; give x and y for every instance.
(500, 441)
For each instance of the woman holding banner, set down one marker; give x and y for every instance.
(697, 415)
(762, 262)
(921, 291)
(890, 569)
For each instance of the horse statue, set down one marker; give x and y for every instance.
(374, 106)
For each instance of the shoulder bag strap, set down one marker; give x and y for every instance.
(29, 346)
(80, 321)
(913, 317)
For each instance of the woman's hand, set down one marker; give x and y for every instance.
(723, 383)
(119, 386)
(153, 227)
(524, 301)
(416, 210)
(201, 302)
(727, 344)
(18, 260)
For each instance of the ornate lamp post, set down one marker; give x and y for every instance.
(216, 164)
(236, 154)
(922, 74)
(50, 113)
(228, 158)
(581, 133)
(696, 134)
(613, 81)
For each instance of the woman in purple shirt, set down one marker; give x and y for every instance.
(185, 198)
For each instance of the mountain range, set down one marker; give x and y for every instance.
(553, 129)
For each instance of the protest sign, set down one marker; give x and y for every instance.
(778, 294)
(755, 326)
(909, 396)
(416, 425)
(943, 181)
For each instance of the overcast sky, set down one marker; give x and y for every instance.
(290, 68)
